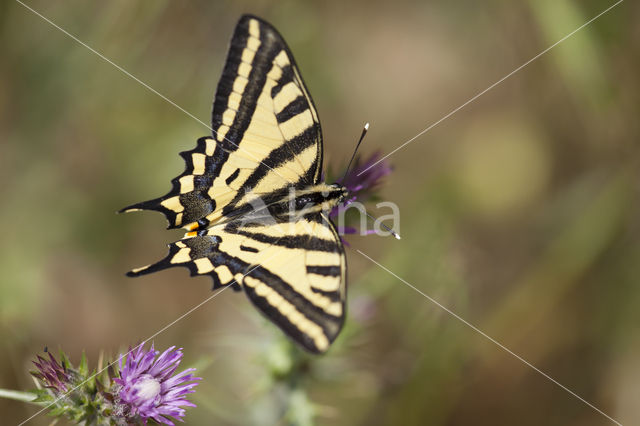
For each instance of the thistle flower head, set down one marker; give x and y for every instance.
(53, 375)
(148, 387)
(72, 391)
(362, 181)
(365, 176)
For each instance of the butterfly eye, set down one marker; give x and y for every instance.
(302, 202)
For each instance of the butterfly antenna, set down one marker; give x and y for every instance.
(391, 231)
(364, 132)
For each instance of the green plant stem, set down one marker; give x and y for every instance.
(18, 395)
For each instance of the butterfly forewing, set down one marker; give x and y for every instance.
(266, 134)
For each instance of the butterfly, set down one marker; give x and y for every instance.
(252, 197)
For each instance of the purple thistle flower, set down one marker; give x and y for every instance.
(53, 375)
(361, 188)
(148, 388)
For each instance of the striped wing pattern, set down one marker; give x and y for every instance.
(293, 272)
(267, 136)
(266, 139)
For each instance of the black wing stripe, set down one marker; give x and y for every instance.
(325, 271)
(261, 65)
(249, 249)
(294, 108)
(225, 86)
(333, 296)
(232, 177)
(294, 242)
(277, 157)
(286, 77)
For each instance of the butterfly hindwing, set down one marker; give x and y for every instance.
(301, 285)
(266, 135)
(293, 272)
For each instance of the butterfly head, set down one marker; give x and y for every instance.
(335, 194)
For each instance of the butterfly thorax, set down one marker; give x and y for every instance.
(313, 199)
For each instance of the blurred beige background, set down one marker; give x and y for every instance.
(520, 212)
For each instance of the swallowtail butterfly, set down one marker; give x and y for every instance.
(265, 151)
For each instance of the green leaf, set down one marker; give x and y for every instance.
(57, 411)
(64, 361)
(83, 367)
(42, 395)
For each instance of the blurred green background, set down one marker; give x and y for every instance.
(520, 212)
